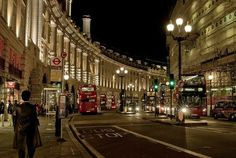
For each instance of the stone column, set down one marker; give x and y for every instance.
(100, 72)
(60, 47)
(97, 64)
(53, 40)
(72, 61)
(85, 62)
(34, 21)
(78, 64)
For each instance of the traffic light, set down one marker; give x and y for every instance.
(155, 85)
(172, 81)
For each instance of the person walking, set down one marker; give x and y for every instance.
(26, 129)
(10, 112)
(14, 113)
(156, 111)
(2, 109)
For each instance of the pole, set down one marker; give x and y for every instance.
(58, 123)
(171, 101)
(121, 94)
(210, 99)
(179, 43)
(131, 95)
(155, 99)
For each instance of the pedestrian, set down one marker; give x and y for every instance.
(10, 112)
(26, 129)
(14, 113)
(2, 108)
(156, 111)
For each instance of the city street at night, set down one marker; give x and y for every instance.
(114, 79)
(129, 135)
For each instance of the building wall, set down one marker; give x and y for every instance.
(210, 47)
(33, 33)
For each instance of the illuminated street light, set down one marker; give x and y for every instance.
(121, 72)
(179, 37)
(131, 86)
(66, 77)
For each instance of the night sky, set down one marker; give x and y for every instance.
(136, 28)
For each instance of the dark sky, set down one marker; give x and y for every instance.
(134, 28)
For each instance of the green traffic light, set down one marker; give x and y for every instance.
(172, 84)
(156, 86)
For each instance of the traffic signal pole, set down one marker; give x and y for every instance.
(171, 102)
(172, 86)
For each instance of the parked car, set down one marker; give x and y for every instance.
(225, 109)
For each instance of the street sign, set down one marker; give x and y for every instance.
(63, 54)
(56, 62)
(62, 106)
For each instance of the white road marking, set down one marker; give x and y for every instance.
(90, 147)
(215, 130)
(165, 143)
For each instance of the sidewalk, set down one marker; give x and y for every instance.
(51, 147)
(166, 120)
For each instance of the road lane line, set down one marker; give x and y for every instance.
(164, 143)
(86, 144)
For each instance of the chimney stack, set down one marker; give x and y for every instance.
(86, 25)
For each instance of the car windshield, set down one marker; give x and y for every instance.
(220, 104)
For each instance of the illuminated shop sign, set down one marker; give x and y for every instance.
(193, 89)
(10, 84)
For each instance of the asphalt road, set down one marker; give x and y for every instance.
(114, 135)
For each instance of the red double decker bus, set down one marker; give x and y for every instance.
(192, 95)
(87, 99)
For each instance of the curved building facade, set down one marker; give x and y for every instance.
(39, 44)
(210, 49)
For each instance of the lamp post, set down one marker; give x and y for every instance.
(210, 78)
(131, 86)
(59, 115)
(121, 72)
(179, 38)
(66, 77)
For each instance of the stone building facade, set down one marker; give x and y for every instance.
(39, 43)
(210, 48)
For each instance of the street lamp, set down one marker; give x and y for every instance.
(121, 72)
(210, 78)
(131, 86)
(179, 38)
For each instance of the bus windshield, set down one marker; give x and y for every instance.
(192, 90)
(192, 101)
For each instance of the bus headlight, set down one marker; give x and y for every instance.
(184, 110)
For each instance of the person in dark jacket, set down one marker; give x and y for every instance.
(2, 108)
(26, 129)
(10, 110)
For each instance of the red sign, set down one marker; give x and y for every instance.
(63, 54)
(55, 61)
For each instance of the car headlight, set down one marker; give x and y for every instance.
(184, 110)
(137, 108)
(129, 108)
(204, 109)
